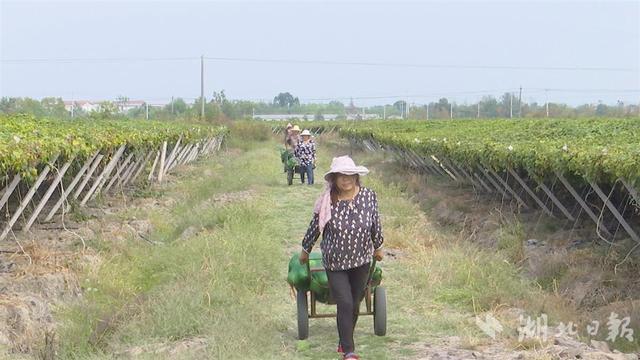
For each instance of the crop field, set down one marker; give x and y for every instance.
(77, 160)
(566, 167)
(171, 240)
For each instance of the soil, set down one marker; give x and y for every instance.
(38, 269)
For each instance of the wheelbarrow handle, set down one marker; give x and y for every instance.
(372, 269)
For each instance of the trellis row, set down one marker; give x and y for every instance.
(100, 173)
(486, 180)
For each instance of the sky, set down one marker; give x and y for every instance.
(374, 52)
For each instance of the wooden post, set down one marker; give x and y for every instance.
(530, 192)
(26, 200)
(139, 171)
(153, 167)
(444, 168)
(484, 184)
(97, 185)
(66, 191)
(555, 200)
(129, 172)
(494, 183)
(9, 189)
(172, 154)
(582, 203)
(194, 154)
(87, 177)
(163, 155)
(632, 191)
(47, 195)
(133, 166)
(509, 189)
(116, 175)
(613, 210)
(180, 157)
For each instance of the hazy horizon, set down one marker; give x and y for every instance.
(374, 52)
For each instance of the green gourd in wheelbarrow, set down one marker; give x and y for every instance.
(298, 276)
(319, 280)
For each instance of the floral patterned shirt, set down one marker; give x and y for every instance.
(305, 152)
(352, 233)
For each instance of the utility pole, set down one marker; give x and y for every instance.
(520, 103)
(427, 111)
(510, 105)
(384, 112)
(451, 110)
(478, 114)
(546, 94)
(172, 105)
(147, 109)
(202, 87)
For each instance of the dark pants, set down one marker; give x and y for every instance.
(347, 288)
(308, 171)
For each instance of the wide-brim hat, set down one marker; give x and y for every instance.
(305, 132)
(295, 128)
(345, 165)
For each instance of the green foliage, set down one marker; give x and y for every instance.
(599, 149)
(27, 142)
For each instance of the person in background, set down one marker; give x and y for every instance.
(287, 133)
(294, 137)
(347, 216)
(305, 152)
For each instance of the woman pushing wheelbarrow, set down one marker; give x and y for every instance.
(347, 216)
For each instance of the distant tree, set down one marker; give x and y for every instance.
(489, 107)
(219, 97)
(400, 105)
(286, 100)
(318, 116)
(53, 107)
(108, 110)
(601, 109)
(8, 105)
(179, 106)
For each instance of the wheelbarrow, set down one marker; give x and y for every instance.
(375, 300)
(291, 166)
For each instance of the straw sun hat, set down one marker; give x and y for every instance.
(305, 132)
(345, 165)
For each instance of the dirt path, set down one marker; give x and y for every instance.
(209, 281)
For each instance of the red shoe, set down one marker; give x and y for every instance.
(340, 349)
(351, 356)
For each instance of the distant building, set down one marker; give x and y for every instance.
(88, 106)
(363, 116)
(299, 117)
(84, 105)
(125, 106)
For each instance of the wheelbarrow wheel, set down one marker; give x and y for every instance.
(380, 311)
(290, 176)
(303, 315)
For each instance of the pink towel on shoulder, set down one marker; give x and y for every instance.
(323, 206)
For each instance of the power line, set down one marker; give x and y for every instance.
(22, 61)
(611, 91)
(94, 60)
(430, 66)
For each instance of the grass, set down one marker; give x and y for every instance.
(226, 282)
